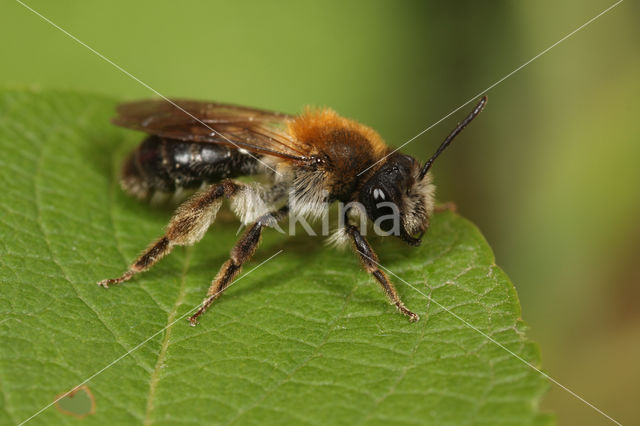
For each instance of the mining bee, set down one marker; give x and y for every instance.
(306, 162)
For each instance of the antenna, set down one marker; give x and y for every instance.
(477, 110)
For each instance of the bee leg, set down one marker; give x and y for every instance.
(187, 226)
(242, 252)
(370, 262)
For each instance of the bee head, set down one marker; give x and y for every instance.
(397, 199)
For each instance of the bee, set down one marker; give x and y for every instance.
(305, 162)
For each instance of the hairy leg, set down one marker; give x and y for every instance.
(370, 262)
(242, 252)
(187, 226)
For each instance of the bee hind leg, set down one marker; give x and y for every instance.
(187, 226)
(241, 253)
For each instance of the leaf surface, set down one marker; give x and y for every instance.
(307, 338)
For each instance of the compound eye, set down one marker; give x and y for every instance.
(379, 195)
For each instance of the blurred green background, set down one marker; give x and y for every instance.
(549, 172)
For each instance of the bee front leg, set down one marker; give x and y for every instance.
(240, 253)
(186, 227)
(370, 262)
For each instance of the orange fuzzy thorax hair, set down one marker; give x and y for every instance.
(314, 126)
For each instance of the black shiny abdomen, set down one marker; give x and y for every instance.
(161, 164)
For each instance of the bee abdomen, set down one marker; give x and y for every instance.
(167, 165)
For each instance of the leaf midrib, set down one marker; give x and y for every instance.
(171, 318)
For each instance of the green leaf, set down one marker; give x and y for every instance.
(306, 338)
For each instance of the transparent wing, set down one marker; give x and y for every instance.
(258, 131)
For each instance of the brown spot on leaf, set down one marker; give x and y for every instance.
(78, 402)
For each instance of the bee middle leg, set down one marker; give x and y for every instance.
(370, 262)
(187, 226)
(241, 253)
